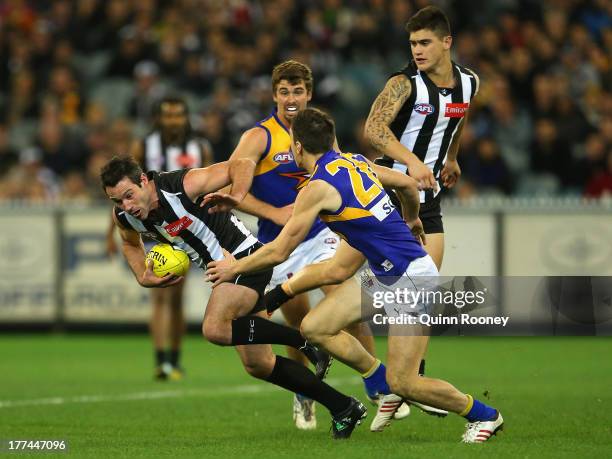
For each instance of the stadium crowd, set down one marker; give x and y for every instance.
(79, 79)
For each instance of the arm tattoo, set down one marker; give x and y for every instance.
(385, 109)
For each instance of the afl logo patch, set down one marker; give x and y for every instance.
(424, 109)
(284, 157)
(331, 240)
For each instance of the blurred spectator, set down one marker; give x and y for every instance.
(64, 91)
(57, 151)
(74, 189)
(601, 183)
(593, 161)
(8, 156)
(148, 91)
(487, 170)
(512, 132)
(213, 129)
(549, 153)
(131, 51)
(22, 102)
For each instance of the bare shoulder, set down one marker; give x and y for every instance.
(398, 87)
(320, 195)
(391, 98)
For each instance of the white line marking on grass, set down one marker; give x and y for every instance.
(155, 395)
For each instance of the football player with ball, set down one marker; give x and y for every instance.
(177, 208)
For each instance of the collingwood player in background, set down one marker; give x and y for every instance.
(417, 119)
(171, 145)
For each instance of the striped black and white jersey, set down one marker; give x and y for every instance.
(160, 156)
(186, 225)
(427, 122)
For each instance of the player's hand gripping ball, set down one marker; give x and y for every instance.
(167, 259)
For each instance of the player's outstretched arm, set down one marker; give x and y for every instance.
(133, 251)
(345, 262)
(208, 180)
(384, 110)
(311, 200)
(252, 145)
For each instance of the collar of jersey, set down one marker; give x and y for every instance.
(280, 123)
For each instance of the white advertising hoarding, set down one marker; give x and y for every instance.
(29, 250)
(569, 244)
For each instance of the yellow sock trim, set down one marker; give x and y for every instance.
(469, 406)
(371, 371)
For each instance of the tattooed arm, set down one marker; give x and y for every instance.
(377, 131)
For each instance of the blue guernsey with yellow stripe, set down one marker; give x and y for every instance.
(366, 219)
(277, 178)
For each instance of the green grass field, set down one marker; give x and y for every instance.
(96, 392)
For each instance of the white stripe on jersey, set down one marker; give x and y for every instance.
(412, 129)
(136, 224)
(154, 158)
(250, 239)
(198, 228)
(181, 244)
(467, 81)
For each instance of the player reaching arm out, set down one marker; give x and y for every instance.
(238, 173)
(384, 110)
(316, 196)
(251, 146)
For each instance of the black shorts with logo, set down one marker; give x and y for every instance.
(257, 281)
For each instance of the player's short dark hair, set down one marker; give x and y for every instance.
(314, 129)
(430, 18)
(294, 72)
(119, 167)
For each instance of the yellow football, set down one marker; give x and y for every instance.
(167, 259)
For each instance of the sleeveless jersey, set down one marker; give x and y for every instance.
(366, 219)
(427, 122)
(278, 179)
(159, 156)
(186, 225)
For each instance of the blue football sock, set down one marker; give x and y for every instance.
(480, 412)
(376, 383)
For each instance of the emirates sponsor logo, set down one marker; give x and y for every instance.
(175, 228)
(456, 110)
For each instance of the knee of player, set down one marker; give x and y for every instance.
(310, 331)
(260, 369)
(214, 334)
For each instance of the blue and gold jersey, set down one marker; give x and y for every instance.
(366, 219)
(277, 178)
